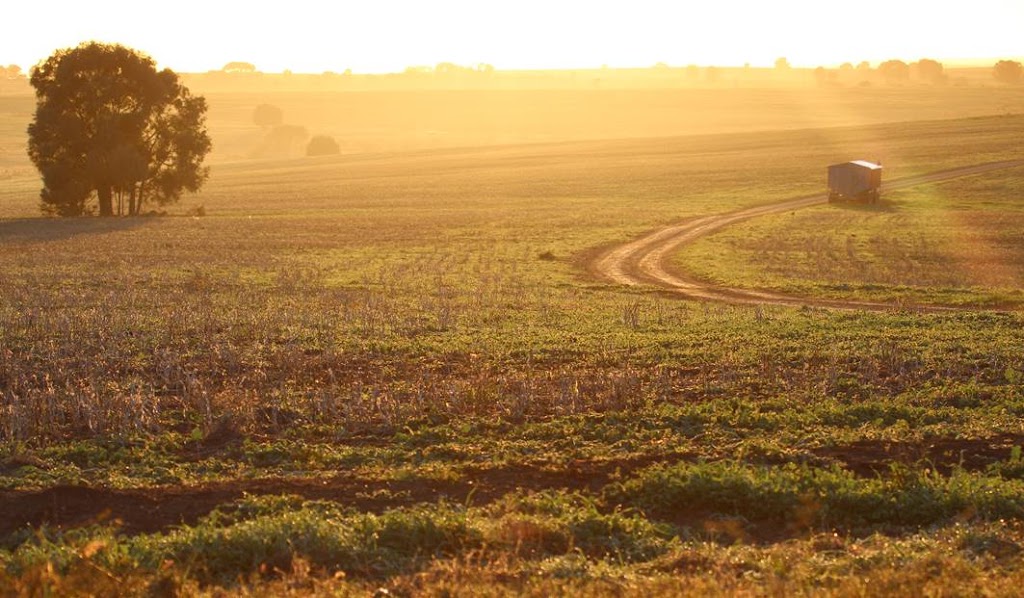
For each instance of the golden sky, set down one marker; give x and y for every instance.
(388, 35)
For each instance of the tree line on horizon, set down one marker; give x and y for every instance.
(893, 71)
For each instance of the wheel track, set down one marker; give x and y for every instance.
(643, 261)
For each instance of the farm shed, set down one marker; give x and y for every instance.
(857, 180)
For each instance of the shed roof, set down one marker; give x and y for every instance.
(858, 163)
(866, 164)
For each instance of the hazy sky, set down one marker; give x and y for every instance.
(388, 35)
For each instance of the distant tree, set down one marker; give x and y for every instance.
(267, 115)
(821, 76)
(239, 67)
(1008, 71)
(109, 125)
(447, 68)
(782, 64)
(929, 70)
(864, 66)
(12, 71)
(322, 145)
(450, 69)
(283, 141)
(846, 67)
(894, 71)
(712, 74)
(693, 72)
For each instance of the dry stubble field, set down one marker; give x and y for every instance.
(393, 369)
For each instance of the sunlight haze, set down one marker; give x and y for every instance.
(508, 298)
(389, 35)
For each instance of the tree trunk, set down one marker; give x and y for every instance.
(132, 209)
(106, 200)
(140, 197)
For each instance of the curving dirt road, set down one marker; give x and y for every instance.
(643, 261)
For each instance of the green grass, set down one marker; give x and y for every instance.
(554, 538)
(951, 243)
(816, 497)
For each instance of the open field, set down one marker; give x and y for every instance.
(393, 369)
(389, 121)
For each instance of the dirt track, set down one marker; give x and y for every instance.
(643, 261)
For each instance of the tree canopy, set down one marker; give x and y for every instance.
(894, 71)
(239, 67)
(109, 126)
(322, 145)
(930, 70)
(1008, 71)
(283, 141)
(268, 115)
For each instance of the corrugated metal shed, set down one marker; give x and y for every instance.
(859, 180)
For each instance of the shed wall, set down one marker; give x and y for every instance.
(851, 179)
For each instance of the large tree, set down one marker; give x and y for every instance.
(110, 128)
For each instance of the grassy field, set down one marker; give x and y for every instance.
(955, 243)
(393, 370)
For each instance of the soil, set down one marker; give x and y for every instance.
(873, 457)
(142, 510)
